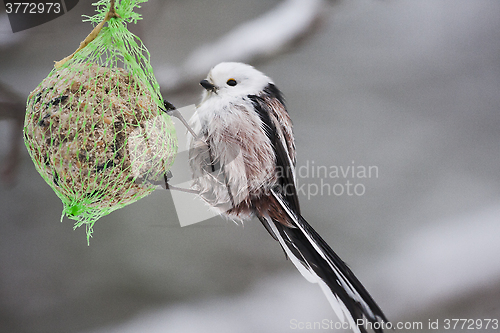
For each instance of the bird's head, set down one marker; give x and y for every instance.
(233, 79)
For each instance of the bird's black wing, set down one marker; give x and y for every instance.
(268, 106)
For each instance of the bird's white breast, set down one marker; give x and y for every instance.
(238, 144)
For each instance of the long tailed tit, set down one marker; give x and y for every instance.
(243, 165)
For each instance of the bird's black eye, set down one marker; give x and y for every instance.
(231, 82)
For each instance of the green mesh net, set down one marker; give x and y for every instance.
(94, 126)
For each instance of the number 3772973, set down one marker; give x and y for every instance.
(471, 324)
(33, 8)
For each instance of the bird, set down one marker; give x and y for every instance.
(242, 158)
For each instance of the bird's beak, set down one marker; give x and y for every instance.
(207, 85)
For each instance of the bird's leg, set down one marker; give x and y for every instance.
(172, 111)
(167, 176)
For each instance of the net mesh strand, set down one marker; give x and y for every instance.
(94, 128)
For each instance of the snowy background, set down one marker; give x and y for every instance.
(411, 87)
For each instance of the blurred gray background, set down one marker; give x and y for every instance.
(411, 87)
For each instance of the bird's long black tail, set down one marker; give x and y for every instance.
(319, 264)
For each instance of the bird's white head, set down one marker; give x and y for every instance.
(234, 79)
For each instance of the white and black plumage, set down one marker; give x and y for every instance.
(243, 166)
